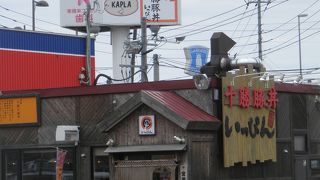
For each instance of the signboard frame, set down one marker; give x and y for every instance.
(72, 14)
(37, 122)
(152, 129)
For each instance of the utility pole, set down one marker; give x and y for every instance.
(258, 2)
(144, 43)
(88, 43)
(133, 56)
(155, 67)
(259, 30)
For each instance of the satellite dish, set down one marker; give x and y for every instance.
(201, 81)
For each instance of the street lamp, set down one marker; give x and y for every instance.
(299, 16)
(39, 4)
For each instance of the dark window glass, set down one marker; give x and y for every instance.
(101, 168)
(36, 165)
(161, 174)
(315, 167)
(300, 143)
(299, 111)
(11, 165)
(39, 165)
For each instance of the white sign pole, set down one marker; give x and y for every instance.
(119, 36)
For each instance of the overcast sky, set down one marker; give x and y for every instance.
(279, 21)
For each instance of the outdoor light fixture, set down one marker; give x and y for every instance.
(281, 78)
(155, 30)
(180, 39)
(316, 99)
(243, 75)
(265, 77)
(201, 81)
(110, 142)
(299, 80)
(180, 140)
(41, 3)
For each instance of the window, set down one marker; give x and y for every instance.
(300, 143)
(39, 164)
(100, 164)
(161, 174)
(315, 167)
(11, 161)
(315, 164)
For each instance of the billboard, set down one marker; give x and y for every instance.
(19, 110)
(196, 56)
(119, 12)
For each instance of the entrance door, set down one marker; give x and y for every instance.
(300, 169)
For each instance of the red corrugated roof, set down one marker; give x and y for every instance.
(180, 106)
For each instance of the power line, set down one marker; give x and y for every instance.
(275, 50)
(197, 22)
(240, 21)
(294, 17)
(201, 30)
(284, 33)
(219, 22)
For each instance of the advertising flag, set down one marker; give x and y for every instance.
(61, 154)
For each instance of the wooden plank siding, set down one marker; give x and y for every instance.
(126, 133)
(283, 116)
(313, 111)
(204, 148)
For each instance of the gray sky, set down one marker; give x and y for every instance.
(242, 28)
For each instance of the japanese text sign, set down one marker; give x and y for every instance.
(249, 130)
(19, 110)
(119, 12)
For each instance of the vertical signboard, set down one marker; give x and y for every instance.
(249, 125)
(160, 11)
(146, 125)
(119, 12)
(196, 56)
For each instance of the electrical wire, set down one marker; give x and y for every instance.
(197, 22)
(244, 30)
(294, 27)
(278, 49)
(201, 30)
(236, 29)
(282, 46)
(293, 17)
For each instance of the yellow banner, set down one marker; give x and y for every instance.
(249, 125)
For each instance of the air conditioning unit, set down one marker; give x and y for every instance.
(67, 133)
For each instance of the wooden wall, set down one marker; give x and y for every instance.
(204, 148)
(126, 133)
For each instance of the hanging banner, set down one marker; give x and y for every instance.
(196, 56)
(61, 154)
(249, 125)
